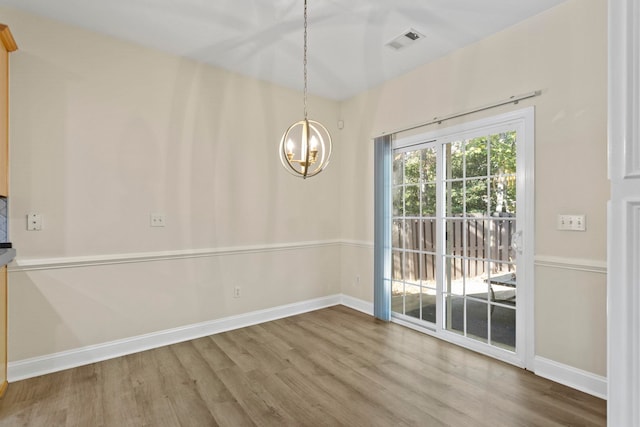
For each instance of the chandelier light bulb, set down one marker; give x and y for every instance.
(305, 148)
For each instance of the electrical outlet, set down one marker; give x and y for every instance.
(157, 220)
(34, 222)
(236, 292)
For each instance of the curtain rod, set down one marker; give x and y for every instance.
(513, 99)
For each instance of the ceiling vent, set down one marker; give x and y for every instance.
(405, 39)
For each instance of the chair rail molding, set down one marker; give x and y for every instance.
(586, 265)
(623, 237)
(30, 264)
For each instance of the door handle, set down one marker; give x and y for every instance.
(516, 242)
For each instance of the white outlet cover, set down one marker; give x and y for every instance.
(157, 220)
(34, 222)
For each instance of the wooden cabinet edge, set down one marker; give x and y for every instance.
(7, 38)
(10, 45)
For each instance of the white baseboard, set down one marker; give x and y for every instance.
(36, 366)
(587, 382)
(578, 379)
(28, 368)
(357, 304)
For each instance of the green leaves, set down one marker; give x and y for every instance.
(479, 177)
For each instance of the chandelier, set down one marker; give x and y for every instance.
(305, 148)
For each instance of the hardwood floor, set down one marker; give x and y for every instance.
(325, 368)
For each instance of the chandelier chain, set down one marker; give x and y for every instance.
(304, 62)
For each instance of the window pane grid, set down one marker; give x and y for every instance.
(414, 231)
(479, 193)
(460, 194)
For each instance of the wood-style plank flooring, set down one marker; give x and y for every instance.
(331, 367)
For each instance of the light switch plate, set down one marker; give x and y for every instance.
(572, 222)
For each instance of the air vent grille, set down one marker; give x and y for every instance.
(405, 39)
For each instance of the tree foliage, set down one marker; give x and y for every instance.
(479, 175)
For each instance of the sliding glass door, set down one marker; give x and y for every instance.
(457, 234)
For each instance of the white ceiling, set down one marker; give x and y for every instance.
(263, 38)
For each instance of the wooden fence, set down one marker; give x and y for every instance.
(471, 242)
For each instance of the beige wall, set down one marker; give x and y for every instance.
(105, 132)
(563, 53)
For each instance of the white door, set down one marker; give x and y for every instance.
(623, 254)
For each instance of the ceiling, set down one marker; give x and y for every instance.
(263, 38)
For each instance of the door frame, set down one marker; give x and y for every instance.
(623, 217)
(523, 120)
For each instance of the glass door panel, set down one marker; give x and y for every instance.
(414, 234)
(479, 289)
